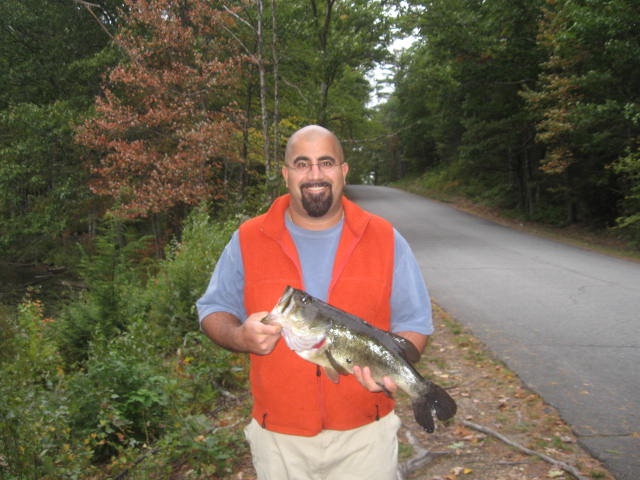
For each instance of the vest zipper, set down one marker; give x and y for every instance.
(323, 415)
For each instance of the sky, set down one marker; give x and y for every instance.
(381, 77)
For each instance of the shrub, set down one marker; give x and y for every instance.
(35, 441)
(184, 274)
(120, 399)
(114, 286)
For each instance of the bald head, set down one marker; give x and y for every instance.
(311, 133)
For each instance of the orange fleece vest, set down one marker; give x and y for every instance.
(290, 394)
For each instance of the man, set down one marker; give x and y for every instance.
(304, 426)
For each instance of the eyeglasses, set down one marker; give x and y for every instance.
(325, 165)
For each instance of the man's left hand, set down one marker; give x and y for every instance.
(363, 375)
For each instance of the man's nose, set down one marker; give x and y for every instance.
(315, 170)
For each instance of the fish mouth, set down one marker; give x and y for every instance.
(286, 303)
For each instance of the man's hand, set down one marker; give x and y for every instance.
(363, 375)
(252, 336)
(257, 337)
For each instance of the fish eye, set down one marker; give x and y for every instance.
(305, 299)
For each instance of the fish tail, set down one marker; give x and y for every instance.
(434, 400)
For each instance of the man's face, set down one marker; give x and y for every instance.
(317, 189)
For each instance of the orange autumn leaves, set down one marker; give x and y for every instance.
(166, 125)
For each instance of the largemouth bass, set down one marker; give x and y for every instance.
(337, 341)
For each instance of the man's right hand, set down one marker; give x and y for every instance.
(252, 336)
(258, 337)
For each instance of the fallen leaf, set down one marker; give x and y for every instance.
(555, 473)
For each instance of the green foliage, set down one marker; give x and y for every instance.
(628, 167)
(591, 75)
(122, 381)
(184, 274)
(52, 55)
(526, 103)
(325, 48)
(113, 279)
(457, 94)
(209, 452)
(43, 44)
(35, 440)
(40, 179)
(120, 397)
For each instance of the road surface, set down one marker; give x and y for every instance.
(565, 319)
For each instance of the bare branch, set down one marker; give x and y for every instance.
(564, 466)
(239, 18)
(421, 458)
(90, 6)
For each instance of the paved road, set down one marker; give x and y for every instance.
(566, 320)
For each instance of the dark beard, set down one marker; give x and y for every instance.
(316, 205)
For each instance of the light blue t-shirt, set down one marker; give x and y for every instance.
(410, 302)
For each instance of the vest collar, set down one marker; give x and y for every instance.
(355, 222)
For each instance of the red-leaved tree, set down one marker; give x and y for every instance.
(166, 126)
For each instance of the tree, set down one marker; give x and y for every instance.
(50, 50)
(589, 85)
(41, 180)
(327, 47)
(457, 97)
(311, 73)
(52, 54)
(167, 127)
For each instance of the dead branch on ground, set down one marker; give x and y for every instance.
(557, 463)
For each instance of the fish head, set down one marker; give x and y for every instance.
(304, 328)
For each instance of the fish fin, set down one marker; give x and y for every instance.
(422, 413)
(437, 401)
(334, 369)
(332, 374)
(335, 365)
(408, 350)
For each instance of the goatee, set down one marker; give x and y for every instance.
(318, 204)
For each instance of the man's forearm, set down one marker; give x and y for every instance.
(224, 329)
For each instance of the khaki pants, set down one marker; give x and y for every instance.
(369, 452)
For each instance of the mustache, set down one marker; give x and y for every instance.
(314, 184)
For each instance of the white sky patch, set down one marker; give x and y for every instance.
(381, 77)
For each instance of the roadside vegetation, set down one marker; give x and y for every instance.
(121, 376)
